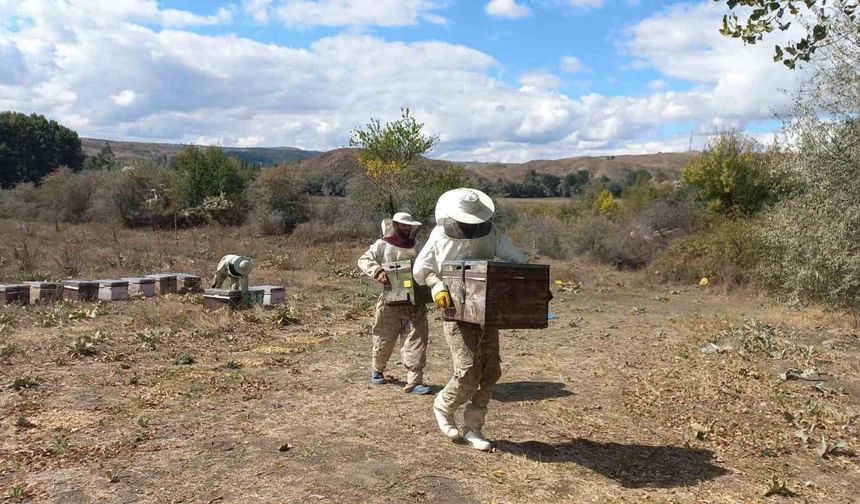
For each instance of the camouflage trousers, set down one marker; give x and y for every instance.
(405, 322)
(477, 367)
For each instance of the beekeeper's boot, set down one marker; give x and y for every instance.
(446, 423)
(476, 438)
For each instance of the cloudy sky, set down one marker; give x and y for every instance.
(497, 80)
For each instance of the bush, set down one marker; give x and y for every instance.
(210, 172)
(65, 195)
(730, 253)
(815, 235)
(21, 202)
(280, 203)
(540, 236)
(337, 220)
(734, 176)
(146, 197)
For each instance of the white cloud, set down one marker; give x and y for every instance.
(176, 85)
(124, 98)
(586, 3)
(540, 79)
(258, 9)
(657, 85)
(356, 12)
(506, 8)
(572, 64)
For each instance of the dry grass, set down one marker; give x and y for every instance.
(614, 402)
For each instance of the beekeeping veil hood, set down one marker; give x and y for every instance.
(469, 206)
(401, 217)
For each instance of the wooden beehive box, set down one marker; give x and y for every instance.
(256, 295)
(44, 292)
(165, 283)
(401, 289)
(113, 290)
(220, 298)
(80, 290)
(14, 294)
(187, 283)
(498, 294)
(140, 287)
(273, 295)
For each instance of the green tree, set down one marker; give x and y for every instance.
(103, 160)
(32, 147)
(734, 176)
(820, 19)
(388, 152)
(429, 185)
(575, 182)
(209, 172)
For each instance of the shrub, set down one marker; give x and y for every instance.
(202, 173)
(729, 252)
(734, 176)
(65, 195)
(145, 197)
(339, 219)
(540, 236)
(21, 202)
(814, 234)
(280, 203)
(605, 203)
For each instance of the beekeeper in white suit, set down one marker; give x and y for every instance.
(464, 232)
(408, 322)
(232, 273)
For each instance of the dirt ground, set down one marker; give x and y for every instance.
(635, 393)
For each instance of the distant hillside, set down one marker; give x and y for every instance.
(344, 162)
(126, 151)
(665, 165)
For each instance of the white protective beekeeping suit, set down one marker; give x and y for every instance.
(399, 321)
(474, 350)
(232, 273)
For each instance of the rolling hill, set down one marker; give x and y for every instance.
(343, 162)
(127, 151)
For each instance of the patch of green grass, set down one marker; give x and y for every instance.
(24, 382)
(60, 443)
(83, 346)
(231, 364)
(23, 423)
(184, 359)
(17, 492)
(8, 349)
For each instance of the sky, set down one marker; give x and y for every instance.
(496, 80)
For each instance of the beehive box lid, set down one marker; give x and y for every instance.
(224, 293)
(161, 275)
(80, 283)
(183, 275)
(43, 285)
(139, 280)
(112, 282)
(13, 287)
(268, 289)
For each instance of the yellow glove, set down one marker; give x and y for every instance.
(443, 299)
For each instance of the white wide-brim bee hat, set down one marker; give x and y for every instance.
(469, 206)
(401, 217)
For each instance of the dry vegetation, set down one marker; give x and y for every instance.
(160, 401)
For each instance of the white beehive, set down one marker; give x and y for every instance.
(113, 290)
(140, 287)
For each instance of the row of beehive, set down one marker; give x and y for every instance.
(123, 288)
(93, 290)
